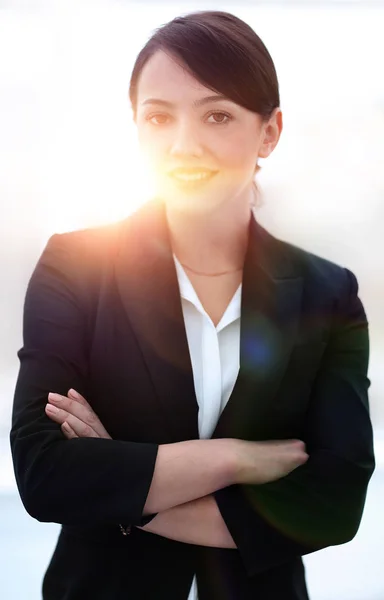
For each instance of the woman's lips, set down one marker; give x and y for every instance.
(192, 176)
(191, 171)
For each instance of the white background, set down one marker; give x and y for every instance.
(68, 159)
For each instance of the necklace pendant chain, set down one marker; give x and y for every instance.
(210, 274)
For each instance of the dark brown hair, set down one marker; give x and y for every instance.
(223, 53)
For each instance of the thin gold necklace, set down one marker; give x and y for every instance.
(210, 274)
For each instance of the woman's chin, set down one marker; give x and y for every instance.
(193, 201)
(192, 204)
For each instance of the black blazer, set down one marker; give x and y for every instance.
(103, 315)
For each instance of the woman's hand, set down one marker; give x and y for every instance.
(261, 462)
(75, 415)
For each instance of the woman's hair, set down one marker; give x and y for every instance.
(223, 53)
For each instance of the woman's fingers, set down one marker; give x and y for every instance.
(61, 416)
(91, 417)
(81, 411)
(76, 396)
(68, 431)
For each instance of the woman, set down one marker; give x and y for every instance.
(192, 402)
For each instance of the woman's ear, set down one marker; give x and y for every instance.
(271, 132)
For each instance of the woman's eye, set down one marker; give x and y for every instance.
(160, 119)
(220, 118)
(217, 118)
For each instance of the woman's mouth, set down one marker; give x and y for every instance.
(191, 177)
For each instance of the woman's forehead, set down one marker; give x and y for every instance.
(163, 78)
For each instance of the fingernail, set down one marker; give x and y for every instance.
(51, 408)
(73, 393)
(55, 398)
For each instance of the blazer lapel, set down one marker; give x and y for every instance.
(147, 281)
(270, 309)
(270, 306)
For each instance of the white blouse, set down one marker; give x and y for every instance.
(215, 358)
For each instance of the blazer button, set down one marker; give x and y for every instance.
(125, 530)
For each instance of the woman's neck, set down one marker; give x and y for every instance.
(211, 242)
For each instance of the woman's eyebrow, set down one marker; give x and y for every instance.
(196, 103)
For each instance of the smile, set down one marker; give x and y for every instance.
(195, 177)
(186, 176)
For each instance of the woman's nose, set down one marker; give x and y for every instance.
(185, 142)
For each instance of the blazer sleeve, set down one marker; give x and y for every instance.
(82, 481)
(321, 503)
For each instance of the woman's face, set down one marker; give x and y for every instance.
(201, 147)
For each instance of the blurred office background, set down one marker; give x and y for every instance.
(68, 159)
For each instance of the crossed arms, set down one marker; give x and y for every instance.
(317, 505)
